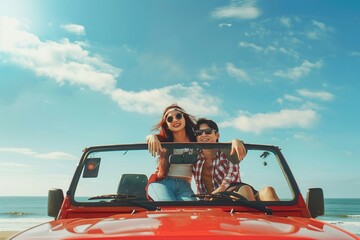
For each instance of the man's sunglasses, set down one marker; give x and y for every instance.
(178, 116)
(207, 131)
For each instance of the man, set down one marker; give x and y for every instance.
(214, 172)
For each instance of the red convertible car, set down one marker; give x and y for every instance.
(107, 200)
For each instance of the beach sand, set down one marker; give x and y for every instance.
(4, 235)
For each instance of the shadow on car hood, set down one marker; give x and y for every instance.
(189, 224)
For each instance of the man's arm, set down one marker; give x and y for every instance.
(238, 147)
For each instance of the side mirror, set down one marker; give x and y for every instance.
(55, 200)
(315, 202)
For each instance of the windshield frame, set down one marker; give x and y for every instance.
(129, 147)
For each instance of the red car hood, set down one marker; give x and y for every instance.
(189, 224)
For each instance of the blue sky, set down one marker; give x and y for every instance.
(82, 73)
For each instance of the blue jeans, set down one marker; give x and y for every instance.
(171, 189)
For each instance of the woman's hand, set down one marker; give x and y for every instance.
(238, 147)
(154, 145)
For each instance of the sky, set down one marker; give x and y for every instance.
(81, 73)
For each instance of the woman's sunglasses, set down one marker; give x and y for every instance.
(178, 116)
(207, 131)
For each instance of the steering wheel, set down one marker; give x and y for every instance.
(233, 195)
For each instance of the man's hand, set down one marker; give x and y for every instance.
(221, 188)
(238, 147)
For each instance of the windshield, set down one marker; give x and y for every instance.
(122, 172)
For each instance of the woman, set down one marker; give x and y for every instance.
(171, 182)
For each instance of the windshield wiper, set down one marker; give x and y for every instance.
(113, 196)
(235, 197)
(127, 198)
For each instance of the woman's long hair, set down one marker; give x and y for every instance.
(165, 135)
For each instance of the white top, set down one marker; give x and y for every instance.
(180, 170)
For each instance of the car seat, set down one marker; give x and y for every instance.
(133, 184)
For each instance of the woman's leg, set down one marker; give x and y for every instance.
(162, 190)
(184, 191)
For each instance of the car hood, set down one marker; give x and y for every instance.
(190, 224)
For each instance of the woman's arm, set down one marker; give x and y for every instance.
(154, 145)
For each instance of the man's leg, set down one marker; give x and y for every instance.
(184, 191)
(247, 192)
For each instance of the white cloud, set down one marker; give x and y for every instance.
(28, 152)
(322, 95)
(245, 11)
(321, 26)
(319, 30)
(74, 28)
(205, 75)
(69, 62)
(268, 49)
(62, 60)
(56, 155)
(238, 73)
(285, 21)
(311, 105)
(251, 45)
(192, 98)
(292, 98)
(355, 54)
(313, 35)
(300, 71)
(289, 52)
(22, 151)
(209, 74)
(225, 25)
(284, 119)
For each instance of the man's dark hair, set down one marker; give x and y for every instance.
(209, 122)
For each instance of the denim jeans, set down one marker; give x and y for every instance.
(171, 189)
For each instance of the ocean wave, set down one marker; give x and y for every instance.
(341, 216)
(344, 223)
(15, 214)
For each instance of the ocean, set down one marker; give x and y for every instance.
(343, 212)
(20, 213)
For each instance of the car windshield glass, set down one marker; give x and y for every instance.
(121, 174)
